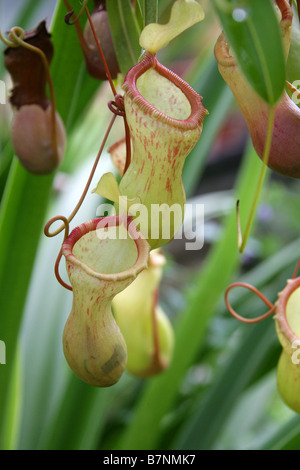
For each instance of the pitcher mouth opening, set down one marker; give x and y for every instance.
(288, 326)
(130, 86)
(139, 259)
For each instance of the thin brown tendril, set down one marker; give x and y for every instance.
(112, 86)
(77, 207)
(16, 39)
(117, 106)
(66, 221)
(10, 42)
(51, 221)
(66, 226)
(56, 270)
(258, 293)
(114, 108)
(71, 13)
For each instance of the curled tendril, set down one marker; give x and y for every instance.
(69, 15)
(66, 226)
(66, 221)
(15, 35)
(16, 39)
(117, 108)
(259, 294)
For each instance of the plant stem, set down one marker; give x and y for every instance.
(243, 240)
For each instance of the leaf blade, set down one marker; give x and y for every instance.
(24, 206)
(125, 33)
(253, 37)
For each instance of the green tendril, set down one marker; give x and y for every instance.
(242, 240)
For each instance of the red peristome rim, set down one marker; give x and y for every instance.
(280, 317)
(198, 111)
(112, 221)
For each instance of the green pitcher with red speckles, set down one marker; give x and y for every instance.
(165, 117)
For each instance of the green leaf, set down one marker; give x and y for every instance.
(24, 205)
(255, 38)
(20, 228)
(46, 375)
(140, 13)
(151, 11)
(203, 429)
(148, 11)
(59, 434)
(13, 408)
(246, 361)
(285, 438)
(125, 33)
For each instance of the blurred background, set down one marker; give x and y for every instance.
(220, 390)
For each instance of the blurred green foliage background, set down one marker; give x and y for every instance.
(220, 390)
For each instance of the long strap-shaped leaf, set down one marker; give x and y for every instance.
(23, 211)
(149, 11)
(253, 32)
(287, 437)
(125, 33)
